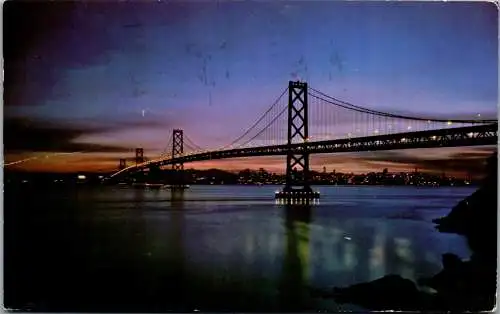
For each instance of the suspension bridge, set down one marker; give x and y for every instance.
(304, 121)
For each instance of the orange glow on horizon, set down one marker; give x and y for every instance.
(345, 162)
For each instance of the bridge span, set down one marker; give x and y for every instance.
(466, 136)
(332, 126)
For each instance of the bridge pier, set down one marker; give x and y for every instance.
(297, 182)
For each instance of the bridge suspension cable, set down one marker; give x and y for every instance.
(168, 147)
(191, 143)
(347, 105)
(346, 120)
(256, 122)
(265, 128)
(189, 147)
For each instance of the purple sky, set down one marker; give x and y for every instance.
(88, 71)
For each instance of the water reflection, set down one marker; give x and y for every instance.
(161, 265)
(349, 253)
(296, 201)
(406, 258)
(136, 250)
(244, 248)
(138, 198)
(375, 250)
(296, 260)
(377, 253)
(177, 255)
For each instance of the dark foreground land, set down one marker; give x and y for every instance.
(461, 285)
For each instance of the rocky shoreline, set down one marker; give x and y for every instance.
(461, 285)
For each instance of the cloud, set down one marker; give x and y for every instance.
(44, 134)
(22, 134)
(455, 160)
(479, 152)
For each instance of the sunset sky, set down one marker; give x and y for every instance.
(100, 79)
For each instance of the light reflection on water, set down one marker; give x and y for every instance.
(322, 251)
(249, 251)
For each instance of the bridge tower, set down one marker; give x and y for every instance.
(177, 151)
(139, 156)
(297, 180)
(123, 164)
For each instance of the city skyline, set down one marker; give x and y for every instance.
(98, 80)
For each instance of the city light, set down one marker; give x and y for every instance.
(81, 177)
(449, 123)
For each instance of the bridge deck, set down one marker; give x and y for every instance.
(453, 137)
